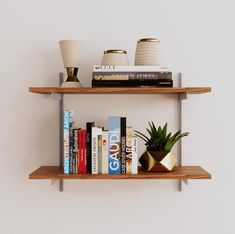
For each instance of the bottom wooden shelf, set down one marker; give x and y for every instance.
(183, 173)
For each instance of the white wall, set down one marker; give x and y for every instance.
(197, 38)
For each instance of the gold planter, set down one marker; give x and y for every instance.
(158, 161)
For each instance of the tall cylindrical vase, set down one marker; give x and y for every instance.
(148, 52)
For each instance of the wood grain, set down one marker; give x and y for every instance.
(183, 172)
(142, 90)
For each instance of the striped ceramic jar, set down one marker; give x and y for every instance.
(148, 52)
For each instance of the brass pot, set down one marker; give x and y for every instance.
(158, 161)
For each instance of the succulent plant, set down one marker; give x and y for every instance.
(159, 139)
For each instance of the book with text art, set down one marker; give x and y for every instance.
(95, 132)
(131, 75)
(100, 68)
(134, 166)
(68, 124)
(75, 150)
(114, 134)
(129, 134)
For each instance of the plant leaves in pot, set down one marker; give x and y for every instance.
(158, 156)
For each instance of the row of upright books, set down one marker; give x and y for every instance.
(97, 151)
(131, 76)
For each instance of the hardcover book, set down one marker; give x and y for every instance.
(89, 126)
(95, 132)
(114, 145)
(100, 68)
(75, 150)
(132, 83)
(105, 152)
(82, 152)
(131, 75)
(66, 141)
(134, 167)
(71, 161)
(84, 161)
(100, 158)
(129, 134)
(123, 145)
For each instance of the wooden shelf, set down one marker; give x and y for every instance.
(183, 173)
(141, 90)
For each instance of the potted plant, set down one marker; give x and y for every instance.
(158, 156)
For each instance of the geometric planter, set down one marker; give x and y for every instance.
(158, 161)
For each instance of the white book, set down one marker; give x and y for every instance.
(105, 152)
(134, 169)
(100, 168)
(129, 134)
(95, 131)
(100, 68)
(72, 119)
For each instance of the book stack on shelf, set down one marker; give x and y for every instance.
(97, 151)
(131, 76)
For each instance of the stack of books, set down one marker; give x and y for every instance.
(97, 151)
(131, 76)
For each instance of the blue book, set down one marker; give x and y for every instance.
(114, 151)
(66, 141)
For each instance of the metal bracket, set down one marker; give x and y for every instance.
(183, 96)
(56, 96)
(185, 182)
(53, 181)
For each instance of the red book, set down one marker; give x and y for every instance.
(82, 152)
(79, 150)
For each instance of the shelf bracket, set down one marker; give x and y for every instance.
(183, 96)
(185, 182)
(56, 96)
(53, 182)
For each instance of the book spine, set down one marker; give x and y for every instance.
(95, 132)
(134, 167)
(132, 83)
(129, 134)
(131, 75)
(83, 161)
(80, 150)
(114, 145)
(66, 141)
(123, 145)
(100, 158)
(89, 126)
(71, 119)
(105, 152)
(71, 161)
(100, 68)
(75, 151)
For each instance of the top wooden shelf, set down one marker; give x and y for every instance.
(139, 90)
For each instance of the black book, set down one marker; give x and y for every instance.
(89, 126)
(133, 83)
(123, 145)
(130, 75)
